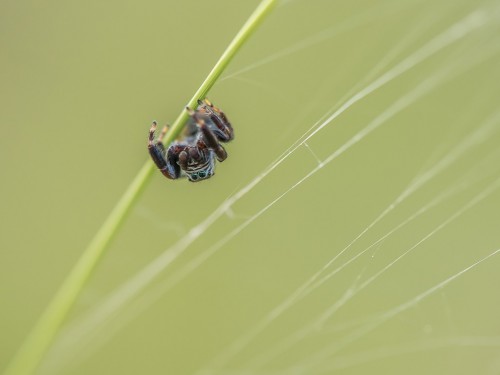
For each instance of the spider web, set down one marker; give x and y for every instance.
(476, 183)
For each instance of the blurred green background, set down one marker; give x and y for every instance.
(81, 83)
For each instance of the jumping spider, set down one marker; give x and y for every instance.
(194, 156)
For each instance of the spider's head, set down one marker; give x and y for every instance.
(197, 164)
(201, 169)
(200, 174)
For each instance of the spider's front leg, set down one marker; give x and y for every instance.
(168, 166)
(209, 137)
(224, 132)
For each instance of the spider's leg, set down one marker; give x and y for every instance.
(212, 142)
(173, 162)
(157, 152)
(226, 132)
(221, 114)
(210, 138)
(162, 134)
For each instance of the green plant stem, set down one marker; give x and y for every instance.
(40, 338)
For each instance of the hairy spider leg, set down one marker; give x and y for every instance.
(209, 137)
(162, 134)
(156, 149)
(218, 110)
(226, 132)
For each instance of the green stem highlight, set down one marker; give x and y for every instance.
(41, 337)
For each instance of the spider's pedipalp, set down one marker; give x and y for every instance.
(183, 160)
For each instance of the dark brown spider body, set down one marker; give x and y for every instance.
(193, 157)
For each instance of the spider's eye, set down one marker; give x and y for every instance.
(202, 174)
(194, 176)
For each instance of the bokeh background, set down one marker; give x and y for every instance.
(368, 265)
